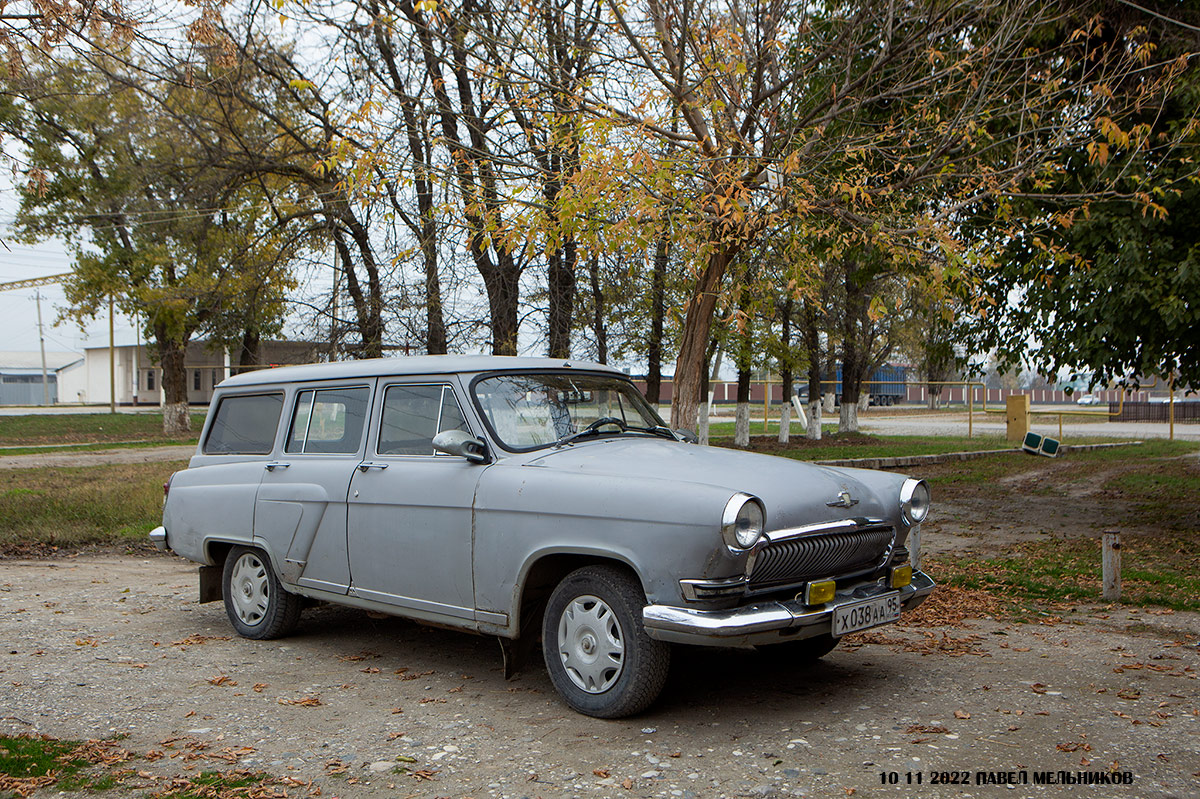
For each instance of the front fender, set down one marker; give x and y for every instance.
(663, 530)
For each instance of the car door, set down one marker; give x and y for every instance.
(410, 508)
(300, 510)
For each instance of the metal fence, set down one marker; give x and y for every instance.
(1156, 411)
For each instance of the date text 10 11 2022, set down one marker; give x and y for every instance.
(1024, 777)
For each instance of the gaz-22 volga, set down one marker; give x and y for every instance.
(529, 499)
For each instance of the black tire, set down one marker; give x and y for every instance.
(806, 650)
(255, 601)
(598, 609)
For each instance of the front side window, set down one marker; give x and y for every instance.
(328, 421)
(413, 415)
(527, 411)
(244, 425)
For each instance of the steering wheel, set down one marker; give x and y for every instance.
(602, 421)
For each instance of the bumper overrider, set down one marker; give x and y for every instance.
(158, 537)
(768, 622)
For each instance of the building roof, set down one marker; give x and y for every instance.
(412, 365)
(11, 361)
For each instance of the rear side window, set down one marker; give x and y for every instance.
(244, 425)
(413, 415)
(328, 421)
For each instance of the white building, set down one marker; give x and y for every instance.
(21, 376)
(138, 377)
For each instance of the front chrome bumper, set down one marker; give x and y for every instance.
(763, 622)
(158, 537)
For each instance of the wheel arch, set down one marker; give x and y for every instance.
(544, 572)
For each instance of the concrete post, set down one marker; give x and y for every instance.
(1111, 559)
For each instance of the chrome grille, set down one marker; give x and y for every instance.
(821, 555)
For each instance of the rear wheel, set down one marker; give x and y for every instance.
(599, 656)
(255, 600)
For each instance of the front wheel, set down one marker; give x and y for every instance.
(599, 656)
(255, 600)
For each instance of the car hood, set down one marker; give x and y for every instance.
(793, 492)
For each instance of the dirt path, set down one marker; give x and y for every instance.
(97, 646)
(99, 456)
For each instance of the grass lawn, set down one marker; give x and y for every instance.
(1149, 492)
(46, 508)
(834, 445)
(1160, 570)
(41, 430)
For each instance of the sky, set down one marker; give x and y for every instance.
(18, 308)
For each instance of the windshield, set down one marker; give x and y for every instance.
(527, 411)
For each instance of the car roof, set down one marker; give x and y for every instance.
(410, 365)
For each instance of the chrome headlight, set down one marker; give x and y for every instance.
(914, 501)
(742, 522)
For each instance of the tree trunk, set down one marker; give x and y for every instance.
(436, 342)
(689, 366)
(502, 283)
(785, 372)
(367, 306)
(811, 334)
(706, 391)
(814, 421)
(598, 326)
(848, 418)
(250, 353)
(658, 282)
(171, 354)
(855, 359)
(741, 428)
(561, 285)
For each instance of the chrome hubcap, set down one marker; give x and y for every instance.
(250, 589)
(591, 644)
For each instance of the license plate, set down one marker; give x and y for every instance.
(854, 616)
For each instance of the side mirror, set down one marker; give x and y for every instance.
(687, 436)
(461, 443)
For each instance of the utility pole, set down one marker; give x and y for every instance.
(333, 315)
(112, 360)
(42, 340)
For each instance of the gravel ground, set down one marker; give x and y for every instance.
(357, 706)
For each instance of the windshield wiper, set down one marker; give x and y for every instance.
(657, 430)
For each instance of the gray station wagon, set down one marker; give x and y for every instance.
(529, 499)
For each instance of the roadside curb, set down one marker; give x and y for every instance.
(948, 457)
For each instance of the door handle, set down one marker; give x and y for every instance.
(273, 465)
(365, 465)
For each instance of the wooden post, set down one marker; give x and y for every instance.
(1112, 565)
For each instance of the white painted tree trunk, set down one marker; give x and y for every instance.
(785, 423)
(702, 424)
(864, 402)
(830, 401)
(176, 420)
(741, 428)
(848, 421)
(814, 421)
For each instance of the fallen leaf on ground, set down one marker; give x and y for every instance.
(308, 701)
